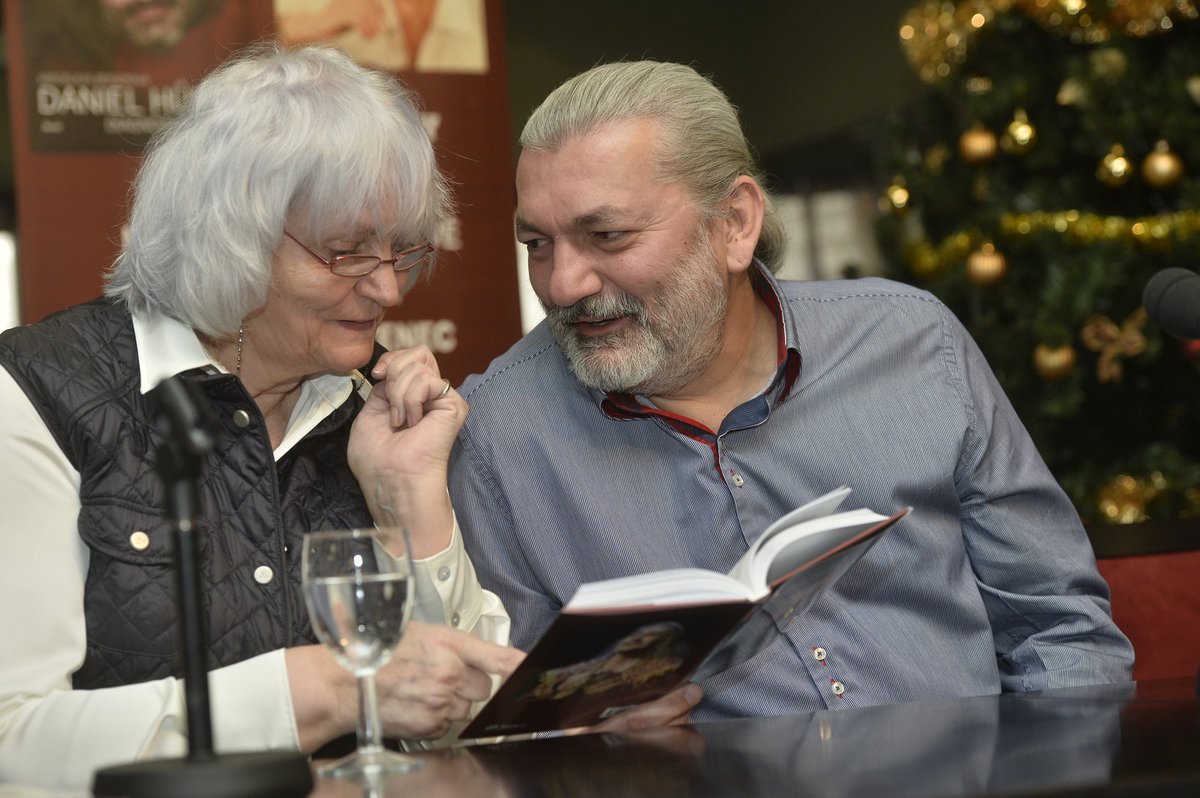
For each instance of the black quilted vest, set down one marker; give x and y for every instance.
(79, 368)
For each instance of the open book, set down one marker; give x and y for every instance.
(625, 641)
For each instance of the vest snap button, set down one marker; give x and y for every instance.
(139, 540)
(263, 574)
(241, 418)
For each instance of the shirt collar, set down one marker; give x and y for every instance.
(167, 347)
(625, 406)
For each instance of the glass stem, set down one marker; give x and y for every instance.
(370, 737)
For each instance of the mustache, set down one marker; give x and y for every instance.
(598, 307)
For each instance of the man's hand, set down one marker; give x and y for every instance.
(673, 709)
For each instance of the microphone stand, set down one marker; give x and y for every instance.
(202, 772)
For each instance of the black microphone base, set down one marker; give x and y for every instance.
(273, 774)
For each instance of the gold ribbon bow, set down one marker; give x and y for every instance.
(1101, 334)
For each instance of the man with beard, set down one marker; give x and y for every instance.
(154, 24)
(105, 75)
(679, 398)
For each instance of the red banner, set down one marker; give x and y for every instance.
(91, 80)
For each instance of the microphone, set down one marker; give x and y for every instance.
(1172, 301)
(203, 773)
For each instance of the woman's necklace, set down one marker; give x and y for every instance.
(241, 338)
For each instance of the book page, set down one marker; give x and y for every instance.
(785, 553)
(817, 508)
(677, 586)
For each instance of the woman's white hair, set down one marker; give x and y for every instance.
(304, 139)
(703, 145)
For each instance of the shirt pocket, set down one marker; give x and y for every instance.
(130, 601)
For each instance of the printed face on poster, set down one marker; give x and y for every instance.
(104, 75)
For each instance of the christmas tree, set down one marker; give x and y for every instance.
(1051, 168)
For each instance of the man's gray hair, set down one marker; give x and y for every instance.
(304, 139)
(703, 144)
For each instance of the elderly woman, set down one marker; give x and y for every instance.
(273, 224)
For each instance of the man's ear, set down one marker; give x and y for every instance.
(743, 223)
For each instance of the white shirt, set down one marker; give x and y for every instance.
(54, 736)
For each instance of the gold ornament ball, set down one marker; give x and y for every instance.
(977, 145)
(1162, 168)
(1192, 85)
(1053, 362)
(1020, 135)
(1073, 91)
(1123, 499)
(986, 266)
(1108, 63)
(1114, 168)
(897, 196)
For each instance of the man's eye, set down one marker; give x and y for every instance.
(535, 243)
(610, 235)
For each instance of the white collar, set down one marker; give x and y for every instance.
(167, 347)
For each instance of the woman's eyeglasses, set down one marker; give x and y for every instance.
(362, 265)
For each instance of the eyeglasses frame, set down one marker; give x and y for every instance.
(426, 249)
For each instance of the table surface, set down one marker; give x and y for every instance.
(1123, 740)
(1129, 739)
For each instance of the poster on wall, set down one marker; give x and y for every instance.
(91, 80)
(104, 75)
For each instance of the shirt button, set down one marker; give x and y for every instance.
(819, 654)
(443, 573)
(241, 418)
(263, 574)
(738, 481)
(454, 619)
(837, 687)
(139, 540)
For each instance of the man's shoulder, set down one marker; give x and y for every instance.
(533, 365)
(869, 298)
(864, 290)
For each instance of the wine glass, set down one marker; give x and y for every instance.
(358, 590)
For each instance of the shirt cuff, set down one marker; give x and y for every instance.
(252, 705)
(447, 589)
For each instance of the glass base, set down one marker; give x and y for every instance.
(369, 763)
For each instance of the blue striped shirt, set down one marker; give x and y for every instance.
(989, 585)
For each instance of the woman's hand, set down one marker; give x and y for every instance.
(400, 446)
(430, 683)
